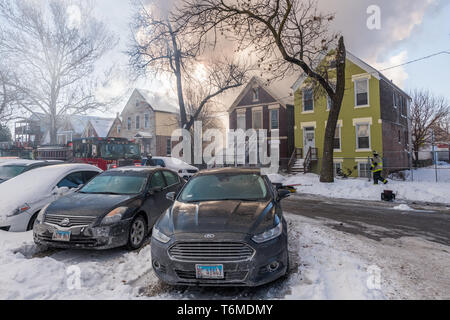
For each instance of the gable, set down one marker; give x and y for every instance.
(264, 97)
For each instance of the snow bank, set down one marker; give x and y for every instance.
(366, 190)
(403, 207)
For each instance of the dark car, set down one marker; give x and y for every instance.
(13, 168)
(117, 208)
(225, 227)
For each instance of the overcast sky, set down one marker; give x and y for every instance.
(410, 29)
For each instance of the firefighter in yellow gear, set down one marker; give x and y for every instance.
(377, 168)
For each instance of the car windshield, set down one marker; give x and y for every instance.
(116, 184)
(116, 151)
(216, 187)
(8, 172)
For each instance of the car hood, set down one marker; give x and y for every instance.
(235, 216)
(83, 204)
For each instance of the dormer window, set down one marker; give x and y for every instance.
(255, 94)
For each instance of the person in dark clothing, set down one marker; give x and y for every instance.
(377, 168)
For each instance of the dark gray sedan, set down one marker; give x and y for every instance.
(117, 208)
(225, 227)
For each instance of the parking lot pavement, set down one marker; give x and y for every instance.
(375, 219)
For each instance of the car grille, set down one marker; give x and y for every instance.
(74, 221)
(211, 251)
(228, 276)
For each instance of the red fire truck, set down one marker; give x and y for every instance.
(106, 153)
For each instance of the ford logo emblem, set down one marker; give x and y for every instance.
(65, 222)
(209, 236)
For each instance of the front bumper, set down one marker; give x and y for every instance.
(99, 238)
(250, 273)
(17, 223)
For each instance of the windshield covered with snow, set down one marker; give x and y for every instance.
(8, 172)
(116, 184)
(251, 187)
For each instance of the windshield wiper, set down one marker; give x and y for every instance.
(112, 193)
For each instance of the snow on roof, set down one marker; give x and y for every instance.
(102, 126)
(159, 102)
(20, 162)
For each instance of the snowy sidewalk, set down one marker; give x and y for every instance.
(363, 189)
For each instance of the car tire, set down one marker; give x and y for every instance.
(32, 221)
(137, 233)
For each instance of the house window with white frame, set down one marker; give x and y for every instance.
(138, 122)
(308, 100)
(129, 123)
(274, 121)
(364, 170)
(337, 138)
(146, 121)
(241, 121)
(257, 119)
(119, 127)
(337, 166)
(363, 136)
(361, 92)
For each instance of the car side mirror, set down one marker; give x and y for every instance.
(283, 193)
(171, 196)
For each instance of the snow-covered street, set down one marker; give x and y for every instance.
(326, 263)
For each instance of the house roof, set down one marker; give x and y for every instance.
(281, 96)
(360, 63)
(102, 126)
(159, 102)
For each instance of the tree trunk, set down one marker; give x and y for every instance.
(327, 174)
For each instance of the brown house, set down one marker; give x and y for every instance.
(263, 107)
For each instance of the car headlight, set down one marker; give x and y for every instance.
(23, 208)
(114, 216)
(158, 235)
(270, 234)
(40, 217)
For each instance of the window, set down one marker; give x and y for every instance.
(241, 124)
(399, 137)
(308, 101)
(363, 170)
(157, 180)
(329, 103)
(337, 138)
(168, 146)
(337, 166)
(255, 94)
(361, 92)
(118, 128)
(88, 175)
(138, 122)
(171, 178)
(146, 121)
(363, 136)
(129, 123)
(137, 103)
(274, 122)
(73, 180)
(257, 119)
(156, 163)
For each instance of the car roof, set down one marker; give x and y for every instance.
(231, 170)
(24, 162)
(135, 169)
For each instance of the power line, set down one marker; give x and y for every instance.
(416, 60)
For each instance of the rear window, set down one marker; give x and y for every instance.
(8, 172)
(251, 187)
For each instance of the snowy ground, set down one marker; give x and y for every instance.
(325, 264)
(422, 189)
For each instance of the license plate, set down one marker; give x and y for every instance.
(209, 271)
(59, 235)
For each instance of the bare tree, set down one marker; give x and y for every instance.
(429, 114)
(55, 48)
(9, 95)
(287, 36)
(160, 46)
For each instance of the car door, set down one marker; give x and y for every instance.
(155, 202)
(173, 182)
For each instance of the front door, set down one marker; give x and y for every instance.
(309, 139)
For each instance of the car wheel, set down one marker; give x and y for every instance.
(137, 233)
(32, 221)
